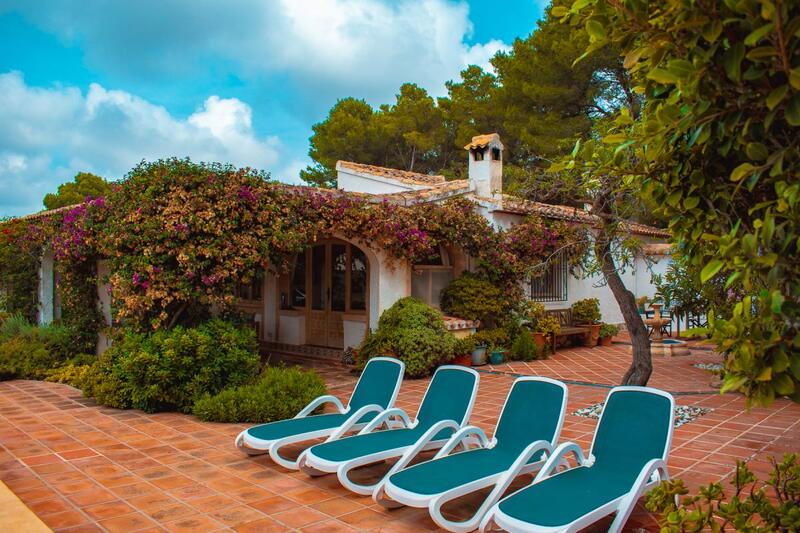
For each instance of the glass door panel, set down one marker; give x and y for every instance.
(318, 285)
(338, 277)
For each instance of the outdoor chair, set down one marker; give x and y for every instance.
(628, 456)
(445, 408)
(375, 391)
(527, 430)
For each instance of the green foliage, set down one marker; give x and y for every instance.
(609, 330)
(716, 150)
(73, 372)
(752, 507)
(586, 311)
(28, 351)
(491, 337)
(19, 273)
(474, 298)
(169, 370)
(537, 320)
(464, 346)
(82, 186)
(524, 349)
(414, 333)
(278, 394)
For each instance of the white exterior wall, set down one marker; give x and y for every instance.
(104, 305)
(348, 181)
(46, 288)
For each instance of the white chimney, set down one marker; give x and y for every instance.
(486, 165)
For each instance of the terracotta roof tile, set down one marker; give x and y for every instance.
(479, 141)
(441, 191)
(514, 204)
(404, 176)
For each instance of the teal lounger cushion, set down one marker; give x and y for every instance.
(369, 444)
(435, 477)
(519, 425)
(298, 426)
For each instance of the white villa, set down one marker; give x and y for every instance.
(338, 288)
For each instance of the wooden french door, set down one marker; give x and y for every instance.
(336, 281)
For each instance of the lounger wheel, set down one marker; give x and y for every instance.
(302, 464)
(383, 500)
(246, 449)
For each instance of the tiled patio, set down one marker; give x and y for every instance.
(81, 467)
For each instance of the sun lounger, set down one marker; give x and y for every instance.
(527, 430)
(628, 456)
(375, 392)
(445, 408)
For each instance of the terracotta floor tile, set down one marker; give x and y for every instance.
(51, 506)
(193, 524)
(273, 505)
(238, 514)
(127, 523)
(91, 496)
(65, 519)
(299, 517)
(111, 509)
(265, 525)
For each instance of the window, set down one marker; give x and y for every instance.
(428, 280)
(495, 154)
(552, 285)
(477, 154)
(298, 290)
(252, 290)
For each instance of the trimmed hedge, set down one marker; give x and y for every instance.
(170, 370)
(279, 393)
(414, 333)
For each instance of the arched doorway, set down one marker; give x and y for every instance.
(329, 282)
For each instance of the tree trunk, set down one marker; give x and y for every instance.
(642, 363)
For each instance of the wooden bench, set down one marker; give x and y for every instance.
(568, 329)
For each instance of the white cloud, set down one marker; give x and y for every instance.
(363, 48)
(49, 134)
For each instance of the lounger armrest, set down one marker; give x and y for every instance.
(385, 417)
(316, 402)
(654, 470)
(500, 487)
(353, 419)
(423, 441)
(461, 435)
(557, 457)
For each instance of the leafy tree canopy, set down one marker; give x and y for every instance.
(536, 101)
(716, 148)
(74, 192)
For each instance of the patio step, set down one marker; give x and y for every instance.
(302, 354)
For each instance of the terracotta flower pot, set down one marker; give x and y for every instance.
(605, 341)
(591, 338)
(540, 339)
(463, 360)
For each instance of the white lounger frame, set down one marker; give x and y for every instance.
(394, 418)
(254, 446)
(651, 474)
(390, 495)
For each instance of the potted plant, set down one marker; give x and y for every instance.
(463, 351)
(586, 312)
(641, 301)
(607, 331)
(496, 356)
(479, 356)
(537, 320)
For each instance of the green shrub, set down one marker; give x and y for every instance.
(753, 506)
(169, 370)
(586, 311)
(523, 348)
(474, 298)
(413, 332)
(492, 337)
(278, 394)
(70, 374)
(608, 330)
(28, 351)
(464, 346)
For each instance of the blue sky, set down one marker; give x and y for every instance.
(98, 85)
